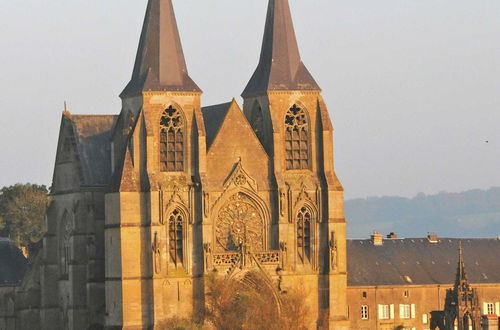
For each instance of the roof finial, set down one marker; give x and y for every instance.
(66, 111)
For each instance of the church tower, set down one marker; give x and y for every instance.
(283, 103)
(150, 208)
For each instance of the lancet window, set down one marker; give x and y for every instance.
(304, 220)
(257, 120)
(176, 237)
(297, 139)
(172, 141)
(64, 246)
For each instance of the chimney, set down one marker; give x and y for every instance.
(377, 239)
(433, 238)
(392, 236)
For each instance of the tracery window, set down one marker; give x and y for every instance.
(304, 234)
(175, 237)
(296, 139)
(239, 223)
(171, 141)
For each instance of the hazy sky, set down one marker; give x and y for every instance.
(413, 87)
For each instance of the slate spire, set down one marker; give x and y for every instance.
(160, 63)
(280, 66)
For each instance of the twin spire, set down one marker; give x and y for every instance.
(160, 64)
(280, 66)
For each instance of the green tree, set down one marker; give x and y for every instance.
(22, 212)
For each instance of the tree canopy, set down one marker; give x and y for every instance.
(22, 212)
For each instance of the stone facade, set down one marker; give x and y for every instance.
(145, 204)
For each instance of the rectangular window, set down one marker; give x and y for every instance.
(490, 308)
(404, 311)
(364, 312)
(425, 318)
(383, 312)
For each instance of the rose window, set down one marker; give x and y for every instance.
(240, 223)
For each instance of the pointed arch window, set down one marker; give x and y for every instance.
(64, 246)
(304, 234)
(297, 139)
(172, 141)
(176, 237)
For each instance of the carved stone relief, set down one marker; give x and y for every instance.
(156, 254)
(175, 199)
(206, 204)
(333, 252)
(207, 250)
(240, 178)
(282, 202)
(284, 255)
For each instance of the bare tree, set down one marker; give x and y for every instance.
(253, 304)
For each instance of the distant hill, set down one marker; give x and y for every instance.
(473, 213)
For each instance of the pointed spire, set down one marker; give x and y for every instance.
(280, 66)
(160, 63)
(461, 276)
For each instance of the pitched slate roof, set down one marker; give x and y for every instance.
(418, 261)
(280, 66)
(213, 116)
(160, 63)
(13, 264)
(93, 139)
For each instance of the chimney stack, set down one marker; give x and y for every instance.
(433, 238)
(377, 239)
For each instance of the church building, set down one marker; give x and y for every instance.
(145, 204)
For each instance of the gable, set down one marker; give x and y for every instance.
(67, 170)
(84, 152)
(235, 142)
